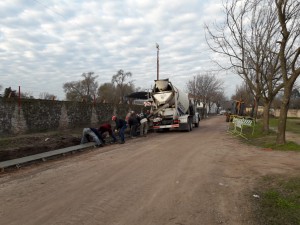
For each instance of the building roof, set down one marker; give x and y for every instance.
(139, 95)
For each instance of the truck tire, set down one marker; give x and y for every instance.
(190, 125)
(197, 124)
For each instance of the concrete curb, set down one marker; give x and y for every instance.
(43, 156)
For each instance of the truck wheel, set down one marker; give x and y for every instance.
(197, 124)
(190, 126)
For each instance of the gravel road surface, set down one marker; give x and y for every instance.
(174, 178)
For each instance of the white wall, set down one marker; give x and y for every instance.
(291, 113)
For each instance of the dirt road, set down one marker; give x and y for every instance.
(201, 177)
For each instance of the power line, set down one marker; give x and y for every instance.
(44, 5)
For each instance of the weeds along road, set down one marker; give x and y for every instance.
(201, 177)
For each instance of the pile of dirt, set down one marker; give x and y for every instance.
(25, 145)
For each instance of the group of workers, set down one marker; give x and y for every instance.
(132, 120)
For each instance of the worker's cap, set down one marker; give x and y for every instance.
(113, 118)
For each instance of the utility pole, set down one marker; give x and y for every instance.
(157, 73)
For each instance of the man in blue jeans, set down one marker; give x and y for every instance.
(89, 134)
(121, 125)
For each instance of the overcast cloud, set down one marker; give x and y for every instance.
(45, 43)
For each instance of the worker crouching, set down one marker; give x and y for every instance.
(92, 134)
(121, 126)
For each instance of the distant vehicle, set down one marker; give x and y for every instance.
(222, 112)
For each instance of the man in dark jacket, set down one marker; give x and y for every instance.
(121, 126)
(133, 123)
(92, 133)
(106, 127)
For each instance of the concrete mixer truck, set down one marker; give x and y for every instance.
(172, 108)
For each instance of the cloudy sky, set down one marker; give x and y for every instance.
(45, 43)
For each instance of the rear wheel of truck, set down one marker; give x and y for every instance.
(197, 124)
(190, 127)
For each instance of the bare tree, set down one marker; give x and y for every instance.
(26, 95)
(288, 12)
(218, 98)
(242, 92)
(204, 88)
(89, 84)
(248, 39)
(83, 90)
(262, 59)
(277, 100)
(295, 99)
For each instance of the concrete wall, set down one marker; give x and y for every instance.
(276, 112)
(291, 113)
(34, 115)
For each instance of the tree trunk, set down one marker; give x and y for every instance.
(256, 108)
(283, 115)
(265, 128)
(204, 111)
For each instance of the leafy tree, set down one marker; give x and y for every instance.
(107, 93)
(123, 87)
(129, 88)
(83, 90)
(9, 93)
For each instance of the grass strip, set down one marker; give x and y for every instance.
(279, 201)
